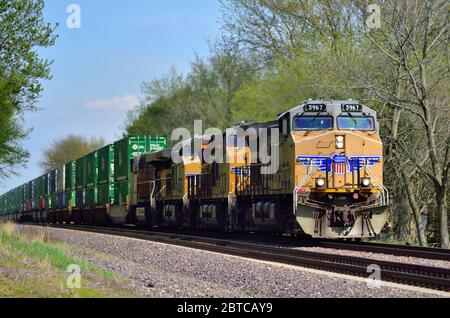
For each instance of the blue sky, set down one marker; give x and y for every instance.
(98, 69)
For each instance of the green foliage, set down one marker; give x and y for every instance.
(206, 93)
(22, 31)
(67, 149)
(39, 268)
(56, 256)
(10, 151)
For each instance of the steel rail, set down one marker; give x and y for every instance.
(391, 249)
(287, 241)
(416, 275)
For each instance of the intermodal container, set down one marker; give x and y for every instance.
(22, 198)
(61, 201)
(106, 165)
(53, 202)
(105, 194)
(70, 176)
(28, 196)
(70, 199)
(91, 174)
(79, 199)
(80, 173)
(52, 181)
(91, 177)
(40, 192)
(130, 147)
(34, 198)
(121, 192)
(11, 201)
(46, 184)
(90, 198)
(60, 178)
(3, 204)
(105, 189)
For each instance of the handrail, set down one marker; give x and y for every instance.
(302, 183)
(385, 190)
(162, 189)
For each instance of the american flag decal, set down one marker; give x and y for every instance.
(241, 171)
(338, 163)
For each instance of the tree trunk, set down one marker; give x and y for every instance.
(441, 199)
(440, 187)
(414, 207)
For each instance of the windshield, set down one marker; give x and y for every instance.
(235, 141)
(356, 123)
(313, 122)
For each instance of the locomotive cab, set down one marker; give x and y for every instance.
(339, 191)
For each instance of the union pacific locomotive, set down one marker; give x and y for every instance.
(327, 181)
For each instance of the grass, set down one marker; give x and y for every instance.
(31, 265)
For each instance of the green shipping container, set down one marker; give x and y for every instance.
(130, 147)
(52, 181)
(34, 197)
(40, 191)
(121, 190)
(12, 201)
(105, 194)
(105, 189)
(28, 196)
(3, 204)
(48, 203)
(80, 173)
(45, 183)
(40, 188)
(70, 197)
(15, 199)
(29, 191)
(53, 202)
(90, 198)
(91, 170)
(106, 165)
(21, 198)
(70, 176)
(156, 143)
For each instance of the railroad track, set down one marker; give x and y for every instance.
(390, 249)
(415, 275)
(286, 241)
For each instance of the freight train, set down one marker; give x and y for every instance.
(327, 181)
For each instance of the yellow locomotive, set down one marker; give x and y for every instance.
(325, 177)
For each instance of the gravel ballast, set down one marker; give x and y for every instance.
(160, 270)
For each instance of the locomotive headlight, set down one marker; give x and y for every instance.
(340, 142)
(365, 182)
(320, 183)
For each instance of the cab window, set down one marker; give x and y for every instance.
(235, 141)
(313, 122)
(356, 123)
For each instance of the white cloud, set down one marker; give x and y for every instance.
(126, 102)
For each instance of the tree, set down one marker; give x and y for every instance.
(279, 53)
(205, 93)
(325, 47)
(69, 148)
(22, 30)
(415, 41)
